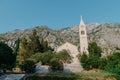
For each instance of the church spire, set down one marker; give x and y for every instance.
(82, 22)
(83, 37)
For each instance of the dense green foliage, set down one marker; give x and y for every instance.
(64, 56)
(23, 52)
(94, 50)
(7, 58)
(55, 60)
(93, 60)
(56, 65)
(31, 46)
(46, 57)
(34, 43)
(113, 63)
(110, 63)
(28, 66)
(44, 46)
(38, 50)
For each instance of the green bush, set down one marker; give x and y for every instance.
(94, 50)
(84, 61)
(93, 60)
(46, 57)
(36, 57)
(113, 63)
(7, 57)
(89, 62)
(43, 57)
(64, 56)
(56, 65)
(28, 66)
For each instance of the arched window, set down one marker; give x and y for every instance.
(82, 32)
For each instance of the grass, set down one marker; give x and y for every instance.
(100, 75)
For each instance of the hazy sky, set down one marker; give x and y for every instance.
(22, 14)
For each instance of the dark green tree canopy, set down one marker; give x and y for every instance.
(7, 58)
(93, 60)
(56, 65)
(64, 56)
(94, 49)
(28, 66)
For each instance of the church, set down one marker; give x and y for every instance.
(75, 66)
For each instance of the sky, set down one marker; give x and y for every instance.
(23, 14)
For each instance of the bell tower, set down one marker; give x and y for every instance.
(83, 37)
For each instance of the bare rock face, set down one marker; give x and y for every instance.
(106, 35)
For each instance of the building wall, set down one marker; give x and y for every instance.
(70, 47)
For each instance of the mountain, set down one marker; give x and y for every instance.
(106, 35)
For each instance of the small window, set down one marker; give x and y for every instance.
(82, 32)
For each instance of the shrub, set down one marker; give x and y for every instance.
(64, 56)
(28, 66)
(7, 58)
(56, 65)
(113, 63)
(46, 57)
(43, 57)
(93, 60)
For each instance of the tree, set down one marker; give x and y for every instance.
(38, 46)
(36, 57)
(84, 61)
(64, 56)
(16, 48)
(93, 60)
(44, 46)
(113, 63)
(46, 57)
(34, 43)
(7, 58)
(30, 47)
(24, 51)
(28, 66)
(94, 50)
(56, 65)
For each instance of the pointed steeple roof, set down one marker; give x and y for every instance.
(82, 22)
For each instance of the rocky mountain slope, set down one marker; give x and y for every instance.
(107, 35)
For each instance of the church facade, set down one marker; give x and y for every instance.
(70, 48)
(73, 49)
